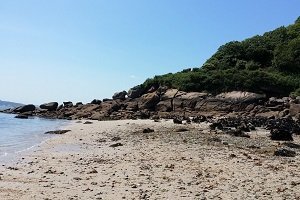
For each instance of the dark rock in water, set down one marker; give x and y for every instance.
(87, 122)
(177, 121)
(21, 116)
(116, 145)
(285, 153)
(237, 133)
(119, 95)
(26, 108)
(96, 101)
(49, 106)
(68, 104)
(135, 92)
(281, 134)
(148, 130)
(59, 132)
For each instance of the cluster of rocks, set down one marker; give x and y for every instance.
(241, 110)
(280, 128)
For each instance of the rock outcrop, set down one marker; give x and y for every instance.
(49, 106)
(135, 92)
(119, 95)
(26, 108)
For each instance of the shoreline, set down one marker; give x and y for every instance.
(176, 161)
(18, 153)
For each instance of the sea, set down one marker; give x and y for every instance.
(21, 135)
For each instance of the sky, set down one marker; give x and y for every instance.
(80, 50)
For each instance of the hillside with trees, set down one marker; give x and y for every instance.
(268, 63)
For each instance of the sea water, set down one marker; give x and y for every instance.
(19, 135)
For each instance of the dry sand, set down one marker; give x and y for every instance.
(165, 164)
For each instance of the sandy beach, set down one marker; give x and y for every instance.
(116, 160)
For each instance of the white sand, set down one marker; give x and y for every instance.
(161, 165)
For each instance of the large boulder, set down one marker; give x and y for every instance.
(149, 101)
(49, 106)
(96, 101)
(68, 104)
(132, 106)
(135, 92)
(241, 97)
(119, 95)
(26, 108)
(165, 106)
(187, 101)
(169, 94)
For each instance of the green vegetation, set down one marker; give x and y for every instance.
(269, 64)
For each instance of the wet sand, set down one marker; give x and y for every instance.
(173, 162)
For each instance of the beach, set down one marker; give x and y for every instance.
(147, 159)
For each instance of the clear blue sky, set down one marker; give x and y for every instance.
(56, 50)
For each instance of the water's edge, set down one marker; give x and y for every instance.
(38, 137)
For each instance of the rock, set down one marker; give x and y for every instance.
(93, 171)
(59, 132)
(21, 116)
(169, 94)
(96, 101)
(285, 152)
(78, 104)
(282, 134)
(149, 101)
(239, 96)
(60, 107)
(117, 138)
(181, 130)
(135, 92)
(284, 113)
(148, 130)
(294, 110)
(292, 145)
(96, 116)
(214, 104)
(68, 104)
(199, 119)
(106, 100)
(116, 145)
(26, 108)
(215, 125)
(49, 106)
(87, 122)
(152, 89)
(119, 95)
(177, 121)
(187, 101)
(237, 133)
(164, 106)
(132, 106)
(244, 127)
